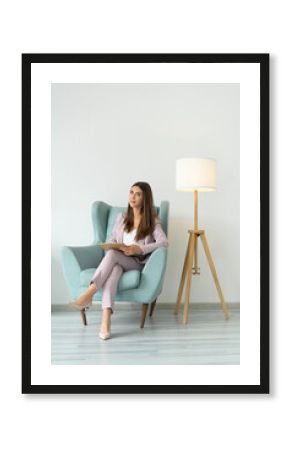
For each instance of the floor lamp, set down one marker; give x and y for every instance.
(196, 175)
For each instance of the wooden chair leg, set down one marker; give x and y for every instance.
(83, 316)
(152, 307)
(143, 314)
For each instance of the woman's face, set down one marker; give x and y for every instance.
(135, 197)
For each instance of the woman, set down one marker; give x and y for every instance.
(140, 232)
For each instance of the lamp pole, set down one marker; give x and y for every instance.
(195, 269)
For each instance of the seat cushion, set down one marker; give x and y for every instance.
(129, 279)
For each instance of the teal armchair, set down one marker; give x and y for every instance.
(80, 263)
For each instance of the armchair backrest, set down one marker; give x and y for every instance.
(104, 217)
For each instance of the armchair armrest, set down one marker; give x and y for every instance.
(153, 273)
(76, 259)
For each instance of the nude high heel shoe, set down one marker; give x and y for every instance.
(107, 335)
(82, 310)
(104, 336)
(84, 304)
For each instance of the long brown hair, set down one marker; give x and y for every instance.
(147, 211)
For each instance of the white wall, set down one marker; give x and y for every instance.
(107, 136)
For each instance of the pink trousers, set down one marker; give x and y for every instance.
(109, 272)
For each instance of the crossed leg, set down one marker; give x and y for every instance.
(107, 276)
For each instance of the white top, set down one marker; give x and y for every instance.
(128, 238)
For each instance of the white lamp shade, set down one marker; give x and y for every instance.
(196, 174)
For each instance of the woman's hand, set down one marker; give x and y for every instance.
(130, 250)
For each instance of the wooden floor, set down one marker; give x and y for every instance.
(208, 338)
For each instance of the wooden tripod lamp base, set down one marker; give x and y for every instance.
(188, 271)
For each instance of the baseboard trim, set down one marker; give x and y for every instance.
(161, 305)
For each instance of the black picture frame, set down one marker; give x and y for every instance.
(263, 60)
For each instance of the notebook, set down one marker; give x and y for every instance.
(110, 245)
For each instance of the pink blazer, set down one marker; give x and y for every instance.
(148, 244)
